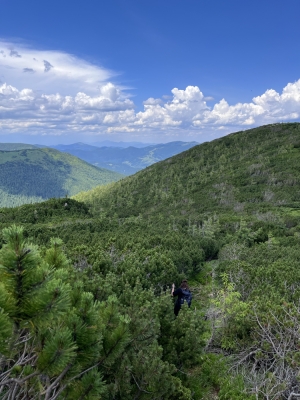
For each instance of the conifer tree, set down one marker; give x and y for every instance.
(50, 335)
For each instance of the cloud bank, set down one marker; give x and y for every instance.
(50, 92)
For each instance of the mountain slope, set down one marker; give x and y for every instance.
(125, 160)
(33, 175)
(243, 171)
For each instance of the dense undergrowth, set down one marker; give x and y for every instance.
(101, 291)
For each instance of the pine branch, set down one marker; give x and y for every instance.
(56, 395)
(19, 381)
(47, 392)
(84, 372)
(140, 389)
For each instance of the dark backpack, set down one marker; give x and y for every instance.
(187, 296)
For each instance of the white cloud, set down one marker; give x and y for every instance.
(54, 71)
(178, 112)
(27, 109)
(151, 102)
(51, 92)
(188, 110)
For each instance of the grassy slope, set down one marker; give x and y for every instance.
(37, 174)
(243, 172)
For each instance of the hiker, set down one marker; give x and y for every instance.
(183, 293)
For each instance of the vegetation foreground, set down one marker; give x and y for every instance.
(85, 305)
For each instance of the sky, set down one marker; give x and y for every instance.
(149, 71)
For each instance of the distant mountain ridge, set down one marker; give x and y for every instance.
(127, 160)
(16, 146)
(34, 175)
(110, 143)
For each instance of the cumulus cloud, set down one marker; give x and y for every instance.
(187, 113)
(51, 92)
(109, 112)
(26, 108)
(151, 101)
(188, 109)
(178, 112)
(267, 108)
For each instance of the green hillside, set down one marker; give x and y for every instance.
(33, 175)
(242, 173)
(225, 215)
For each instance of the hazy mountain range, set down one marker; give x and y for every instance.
(110, 143)
(124, 158)
(127, 160)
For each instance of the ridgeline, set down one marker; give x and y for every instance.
(242, 173)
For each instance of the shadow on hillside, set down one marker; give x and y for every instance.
(24, 178)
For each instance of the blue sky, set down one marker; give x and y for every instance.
(150, 71)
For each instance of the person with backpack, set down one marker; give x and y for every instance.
(183, 294)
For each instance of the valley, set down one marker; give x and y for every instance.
(125, 160)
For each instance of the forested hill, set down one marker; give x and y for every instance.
(33, 175)
(243, 172)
